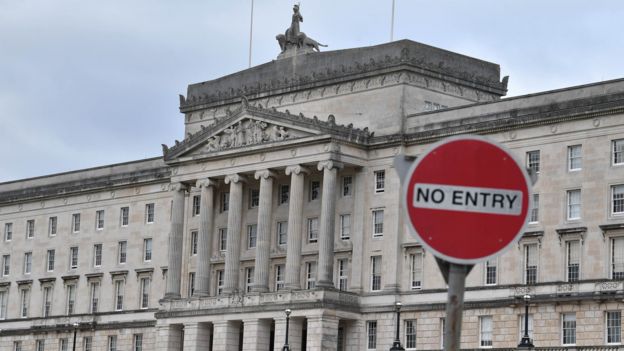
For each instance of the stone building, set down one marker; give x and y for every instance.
(282, 195)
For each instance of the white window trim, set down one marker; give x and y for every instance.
(613, 153)
(606, 334)
(575, 328)
(376, 189)
(570, 147)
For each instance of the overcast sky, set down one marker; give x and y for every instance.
(87, 83)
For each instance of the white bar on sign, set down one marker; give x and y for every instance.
(467, 199)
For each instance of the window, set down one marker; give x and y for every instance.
(416, 270)
(313, 229)
(573, 260)
(138, 342)
(343, 274)
(534, 209)
(442, 331)
(124, 216)
(533, 161)
(70, 290)
(8, 231)
(347, 186)
(380, 181)
(254, 198)
(315, 190)
(618, 152)
(147, 250)
(3, 303)
(17, 346)
(73, 257)
(75, 222)
(47, 301)
(521, 324)
(252, 236)
(145, 290)
(490, 272)
(279, 277)
(225, 202)
(87, 343)
(575, 159)
(617, 258)
(40, 345)
(196, 205)
(149, 213)
(574, 204)
(485, 334)
(112, 343)
(617, 199)
(99, 219)
(50, 260)
(568, 328)
(24, 302)
(119, 294)
(194, 237)
(94, 288)
(249, 278)
(378, 219)
(122, 248)
(530, 263)
(371, 335)
(52, 224)
(282, 233)
(614, 327)
(6, 265)
(375, 273)
(191, 284)
(410, 334)
(222, 239)
(27, 262)
(63, 344)
(284, 194)
(219, 282)
(345, 226)
(310, 275)
(30, 228)
(97, 255)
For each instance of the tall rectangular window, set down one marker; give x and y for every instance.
(617, 258)
(124, 216)
(122, 248)
(410, 334)
(375, 273)
(144, 287)
(222, 239)
(94, 295)
(249, 278)
(99, 220)
(575, 158)
(343, 274)
(280, 273)
(138, 342)
(347, 185)
(8, 231)
(315, 190)
(380, 181)
(282, 233)
(30, 228)
(75, 223)
(614, 327)
(47, 301)
(112, 343)
(97, 255)
(63, 344)
(40, 345)
(617, 200)
(194, 238)
(52, 225)
(70, 298)
(220, 279)
(147, 249)
(4, 296)
(521, 326)
(284, 194)
(254, 198)
(345, 226)
(73, 257)
(618, 152)
(530, 263)
(568, 328)
(574, 204)
(573, 260)
(6, 265)
(24, 302)
(313, 229)
(149, 213)
(252, 236)
(490, 272)
(119, 294)
(371, 335)
(534, 218)
(196, 205)
(50, 258)
(485, 335)
(17, 346)
(27, 262)
(378, 222)
(87, 343)
(533, 161)
(191, 284)
(310, 275)
(225, 202)
(416, 270)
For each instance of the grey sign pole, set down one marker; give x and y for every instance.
(455, 276)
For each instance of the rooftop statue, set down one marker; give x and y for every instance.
(294, 41)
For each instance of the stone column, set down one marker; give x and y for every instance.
(204, 241)
(322, 333)
(327, 223)
(355, 335)
(295, 331)
(263, 247)
(196, 337)
(357, 232)
(234, 227)
(256, 334)
(295, 223)
(168, 337)
(174, 269)
(225, 335)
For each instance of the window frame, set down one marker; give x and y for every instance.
(52, 226)
(28, 256)
(346, 189)
(8, 231)
(615, 153)
(314, 192)
(572, 158)
(97, 259)
(74, 256)
(485, 343)
(345, 231)
(311, 269)
(534, 214)
(486, 275)
(569, 204)
(411, 338)
(148, 249)
(252, 236)
(563, 328)
(150, 213)
(145, 285)
(284, 194)
(254, 198)
(222, 239)
(30, 229)
(50, 260)
(196, 207)
(375, 274)
(99, 219)
(122, 252)
(568, 273)
(312, 229)
(280, 272)
(371, 335)
(525, 263)
(612, 202)
(94, 295)
(378, 225)
(617, 328)
(413, 257)
(533, 163)
(379, 181)
(75, 224)
(280, 226)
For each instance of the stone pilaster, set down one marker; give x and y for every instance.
(256, 334)
(174, 270)
(168, 337)
(234, 227)
(295, 332)
(263, 247)
(327, 223)
(225, 335)
(355, 335)
(322, 333)
(295, 223)
(204, 241)
(357, 231)
(196, 337)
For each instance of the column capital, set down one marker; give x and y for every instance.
(206, 182)
(265, 173)
(329, 164)
(296, 169)
(235, 178)
(178, 187)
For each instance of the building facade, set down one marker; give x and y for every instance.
(282, 195)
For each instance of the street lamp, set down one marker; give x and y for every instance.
(526, 342)
(286, 347)
(75, 325)
(396, 345)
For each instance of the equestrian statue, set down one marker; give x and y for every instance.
(294, 38)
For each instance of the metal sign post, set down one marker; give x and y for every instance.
(455, 277)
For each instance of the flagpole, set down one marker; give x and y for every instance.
(251, 31)
(392, 23)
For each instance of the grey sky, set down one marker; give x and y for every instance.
(89, 83)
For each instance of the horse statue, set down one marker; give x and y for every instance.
(294, 38)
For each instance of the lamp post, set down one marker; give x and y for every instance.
(526, 342)
(286, 347)
(75, 325)
(396, 345)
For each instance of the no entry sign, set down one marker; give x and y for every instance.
(467, 199)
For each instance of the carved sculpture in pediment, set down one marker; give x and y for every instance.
(245, 133)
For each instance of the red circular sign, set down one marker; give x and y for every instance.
(466, 199)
